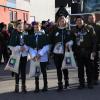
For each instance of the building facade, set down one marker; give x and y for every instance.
(9, 12)
(27, 10)
(42, 10)
(11, 3)
(2, 2)
(24, 5)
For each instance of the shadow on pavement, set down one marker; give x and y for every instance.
(70, 94)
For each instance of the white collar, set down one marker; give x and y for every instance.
(61, 27)
(25, 33)
(40, 32)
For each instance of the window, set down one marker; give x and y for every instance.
(15, 16)
(11, 15)
(26, 17)
(13, 1)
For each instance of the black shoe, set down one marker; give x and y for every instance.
(36, 85)
(59, 89)
(60, 86)
(36, 90)
(45, 88)
(16, 89)
(66, 85)
(81, 87)
(96, 82)
(90, 86)
(24, 89)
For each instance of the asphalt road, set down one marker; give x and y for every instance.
(72, 93)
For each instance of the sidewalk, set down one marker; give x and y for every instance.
(4, 74)
(7, 82)
(72, 93)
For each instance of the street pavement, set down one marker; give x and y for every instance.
(72, 93)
